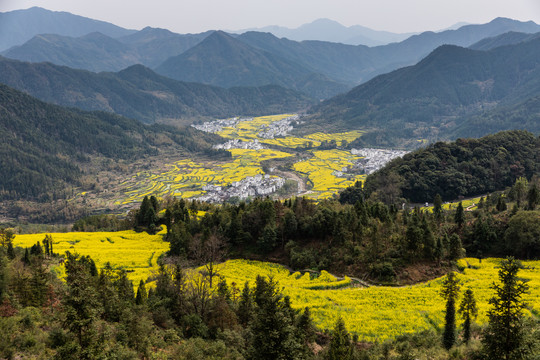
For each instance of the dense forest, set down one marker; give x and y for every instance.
(43, 145)
(97, 313)
(464, 168)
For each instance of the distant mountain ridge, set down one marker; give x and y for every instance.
(98, 52)
(317, 68)
(439, 94)
(225, 61)
(333, 31)
(19, 26)
(137, 92)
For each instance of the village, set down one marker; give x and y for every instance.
(252, 186)
(278, 128)
(239, 144)
(374, 159)
(218, 125)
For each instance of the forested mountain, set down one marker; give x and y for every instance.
(357, 64)
(137, 92)
(43, 144)
(225, 61)
(524, 115)
(318, 68)
(509, 38)
(466, 167)
(98, 52)
(19, 26)
(441, 92)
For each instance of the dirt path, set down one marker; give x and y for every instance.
(295, 177)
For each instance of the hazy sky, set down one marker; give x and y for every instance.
(185, 16)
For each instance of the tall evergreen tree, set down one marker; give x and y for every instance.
(273, 333)
(450, 292)
(455, 250)
(503, 338)
(340, 347)
(437, 207)
(245, 305)
(141, 297)
(533, 197)
(81, 306)
(469, 312)
(459, 216)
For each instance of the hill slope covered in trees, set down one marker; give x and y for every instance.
(138, 92)
(466, 167)
(42, 143)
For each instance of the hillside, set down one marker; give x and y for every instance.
(430, 99)
(509, 38)
(358, 64)
(94, 52)
(222, 60)
(137, 92)
(99, 52)
(318, 68)
(43, 145)
(464, 168)
(17, 27)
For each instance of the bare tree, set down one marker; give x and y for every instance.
(208, 252)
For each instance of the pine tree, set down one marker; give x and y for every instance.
(459, 216)
(437, 207)
(450, 292)
(272, 329)
(340, 347)
(469, 312)
(10, 251)
(141, 297)
(26, 258)
(533, 197)
(455, 250)
(501, 204)
(81, 305)
(503, 338)
(245, 305)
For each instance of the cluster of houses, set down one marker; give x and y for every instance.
(218, 125)
(278, 128)
(239, 144)
(258, 185)
(374, 159)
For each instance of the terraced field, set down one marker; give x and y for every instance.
(187, 177)
(324, 171)
(377, 313)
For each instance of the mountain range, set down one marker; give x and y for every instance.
(19, 26)
(319, 69)
(332, 31)
(139, 93)
(438, 96)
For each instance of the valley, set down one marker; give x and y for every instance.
(261, 148)
(324, 192)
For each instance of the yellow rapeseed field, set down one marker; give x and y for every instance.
(324, 171)
(186, 177)
(377, 313)
(135, 252)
